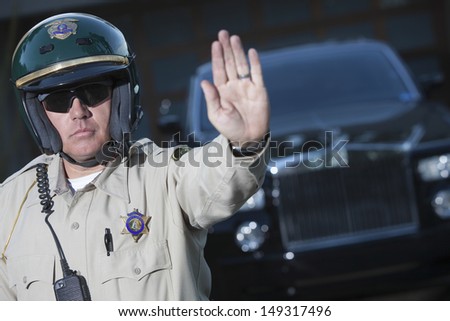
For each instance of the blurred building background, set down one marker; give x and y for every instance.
(172, 37)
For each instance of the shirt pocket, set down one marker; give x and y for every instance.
(32, 276)
(136, 263)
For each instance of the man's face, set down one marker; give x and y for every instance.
(83, 129)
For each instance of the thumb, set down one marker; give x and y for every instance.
(211, 97)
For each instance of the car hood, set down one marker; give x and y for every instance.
(402, 124)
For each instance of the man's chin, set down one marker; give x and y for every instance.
(81, 158)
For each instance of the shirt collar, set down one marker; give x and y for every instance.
(57, 176)
(112, 181)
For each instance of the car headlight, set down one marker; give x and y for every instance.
(256, 202)
(441, 204)
(250, 236)
(434, 168)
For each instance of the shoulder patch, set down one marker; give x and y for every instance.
(179, 152)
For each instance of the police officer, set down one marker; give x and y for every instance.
(127, 220)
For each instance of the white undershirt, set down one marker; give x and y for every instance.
(80, 182)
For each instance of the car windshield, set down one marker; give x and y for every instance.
(328, 80)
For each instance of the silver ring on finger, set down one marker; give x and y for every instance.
(244, 76)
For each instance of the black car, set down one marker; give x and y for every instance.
(356, 202)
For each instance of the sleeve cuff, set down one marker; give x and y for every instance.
(252, 149)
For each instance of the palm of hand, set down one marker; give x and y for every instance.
(243, 115)
(238, 108)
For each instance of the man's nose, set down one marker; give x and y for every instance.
(78, 110)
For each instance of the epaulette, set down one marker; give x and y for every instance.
(40, 159)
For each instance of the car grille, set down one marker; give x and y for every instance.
(370, 199)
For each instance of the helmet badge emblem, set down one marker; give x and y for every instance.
(61, 29)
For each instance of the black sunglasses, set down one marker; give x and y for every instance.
(90, 95)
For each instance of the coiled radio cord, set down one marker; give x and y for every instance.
(47, 208)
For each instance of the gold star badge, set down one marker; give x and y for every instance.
(135, 224)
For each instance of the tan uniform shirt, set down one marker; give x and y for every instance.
(180, 199)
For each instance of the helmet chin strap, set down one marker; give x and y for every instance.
(109, 151)
(90, 163)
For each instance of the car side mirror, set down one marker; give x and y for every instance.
(169, 124)
(430, 82)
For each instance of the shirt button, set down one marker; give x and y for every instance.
(137, 271)
(24, 280)
(75, 226)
